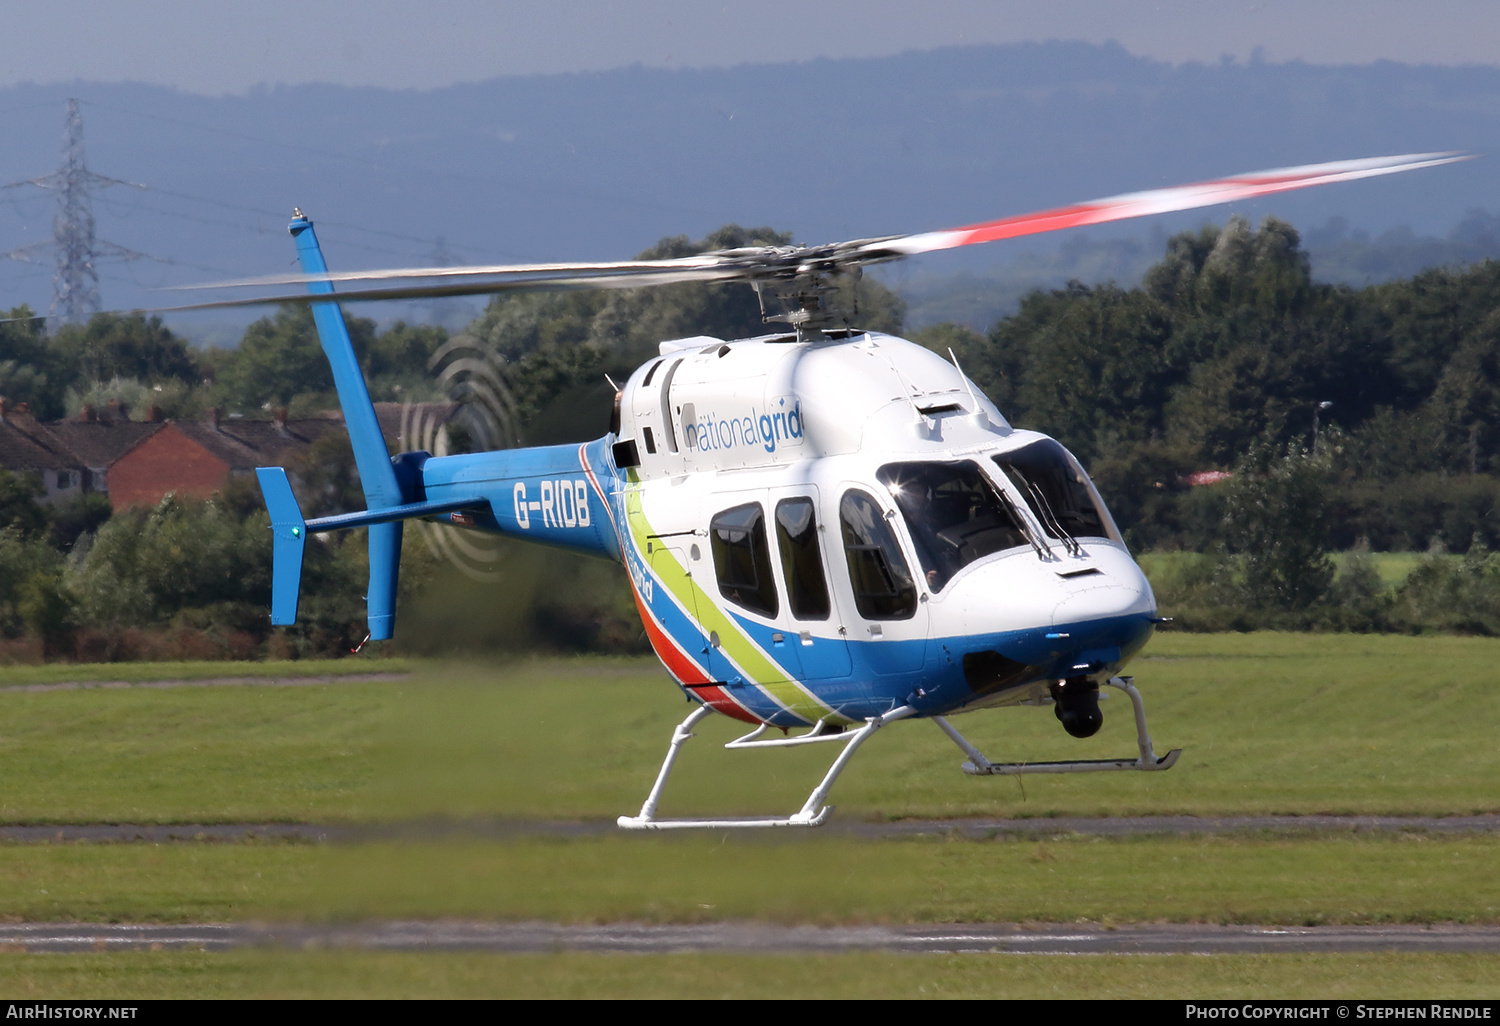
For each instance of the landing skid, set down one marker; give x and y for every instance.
(813, 812)
(979, 766)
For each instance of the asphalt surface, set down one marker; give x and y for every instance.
(629, 938)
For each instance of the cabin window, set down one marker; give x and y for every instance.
(1055, 489)
(801, 559)
(742, 559)
(882, 582)
(954, 514)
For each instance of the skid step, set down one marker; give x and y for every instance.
(1166, 762)
(979, 766)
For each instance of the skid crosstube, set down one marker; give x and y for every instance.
(813, 812)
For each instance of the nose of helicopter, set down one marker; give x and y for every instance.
(1107, 584)
(1066, 616)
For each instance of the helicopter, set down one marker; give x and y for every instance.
(825, 530)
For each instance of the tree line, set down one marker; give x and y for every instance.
(1348, 419)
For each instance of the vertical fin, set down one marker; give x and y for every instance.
(288, 540)
(376, 475)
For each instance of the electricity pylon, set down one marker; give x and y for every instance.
(75, 283)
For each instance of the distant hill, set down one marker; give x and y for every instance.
(600, 165)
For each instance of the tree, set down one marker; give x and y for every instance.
(1090, 363)
(397, 366)
(123, 346)
(19, 509)
(24, 362)
(559, 346)
(22, 560)
(1275, 522)
(280, 357)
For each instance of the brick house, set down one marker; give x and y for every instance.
(100, 440)
(199, 458)
(27, 446)
(138, 462)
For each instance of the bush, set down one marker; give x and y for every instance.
(22, 560)
(1448, 594)
(145, 566)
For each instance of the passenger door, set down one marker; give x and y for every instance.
(810, 621)
(887, 613)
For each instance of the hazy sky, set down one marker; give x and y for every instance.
(207, 46)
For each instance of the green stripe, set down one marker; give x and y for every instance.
(758, 668)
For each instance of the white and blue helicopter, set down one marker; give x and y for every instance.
(826, 530)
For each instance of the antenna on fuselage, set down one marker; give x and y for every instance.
(977, 414)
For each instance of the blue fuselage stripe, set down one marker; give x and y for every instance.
(545, 495)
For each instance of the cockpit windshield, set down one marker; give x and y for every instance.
(954, 514)
(1055, 489)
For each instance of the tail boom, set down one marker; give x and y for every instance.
(553, 495)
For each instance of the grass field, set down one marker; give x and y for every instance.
(336, 974)
(823, 879)
(1293, 724)
(200, 670)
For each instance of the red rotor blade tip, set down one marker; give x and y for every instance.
(1162, 201)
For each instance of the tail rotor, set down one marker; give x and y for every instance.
(478, 379)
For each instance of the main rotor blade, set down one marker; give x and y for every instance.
(643, 279)
(801, 263)
(690, 265)
(1160, 201)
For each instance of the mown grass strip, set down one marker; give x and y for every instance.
(180, 755)
(818, 879)
(137, 673)
(358, 974)
(1269, 724)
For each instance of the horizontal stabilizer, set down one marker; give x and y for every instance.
(391, 514)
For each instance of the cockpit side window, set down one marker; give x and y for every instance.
(953, 513)
(742, 559)
(1055, 490)
(801, 559)
(882, 582)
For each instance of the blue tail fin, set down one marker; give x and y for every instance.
(289, 539)
(376, 475)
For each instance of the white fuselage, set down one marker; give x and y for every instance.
(869, 433)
